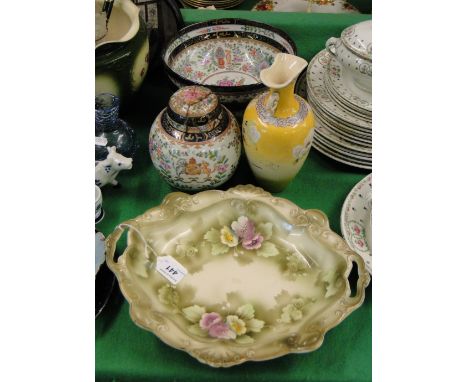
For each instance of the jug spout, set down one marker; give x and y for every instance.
(281, 78)
(285, 69)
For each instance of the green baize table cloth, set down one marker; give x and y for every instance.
(125, 352)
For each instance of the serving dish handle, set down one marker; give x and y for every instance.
(111, 244)
(362, 281)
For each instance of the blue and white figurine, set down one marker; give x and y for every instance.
(107, 170)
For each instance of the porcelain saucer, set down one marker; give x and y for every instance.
(361, 133)
(350, 155)
(342, 143)
(335, 6)
(344, 134)
(365, 115)
(356, 220)
(345, 88)
(319, 94)
(339, 158)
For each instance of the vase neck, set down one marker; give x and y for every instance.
(287, 103)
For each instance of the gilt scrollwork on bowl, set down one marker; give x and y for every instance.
(264, 277)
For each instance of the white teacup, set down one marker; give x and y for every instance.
(354, 51)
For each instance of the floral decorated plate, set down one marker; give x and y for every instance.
(356, 220)
(313, 6)
(338, 156)
(320, 97)
(237, 275)
(342, 85)
(345, 134)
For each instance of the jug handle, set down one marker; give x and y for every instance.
(169, 22)
(331, 45)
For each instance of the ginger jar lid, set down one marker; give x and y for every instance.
(194, 115)
(358, 39)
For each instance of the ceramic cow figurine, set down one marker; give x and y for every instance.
(107, 170)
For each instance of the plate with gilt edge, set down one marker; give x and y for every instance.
(339, 158)
(342, 85)
(217, 308)
(348, 108)
(217, 4)
(356, 220)
(344, 134)
(312, 6)
(365, 135)
(317, 91)
(352, 156)
(336, 121)
(331, 136)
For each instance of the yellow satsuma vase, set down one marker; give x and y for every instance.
(278, 125)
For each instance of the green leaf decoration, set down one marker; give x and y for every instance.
(168, 295)
(255, 325)
(329, 279)
(267, 249)
(295, 314)
(266, 230)
(195, 329)
(193, 313)
(213, 236)
(246, 312)
(245, 339)
(218, 249)
(298, 303)
(290, 313)
(295, 265)
(183, 250)
(285, 318)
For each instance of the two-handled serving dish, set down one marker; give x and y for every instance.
(257, 277)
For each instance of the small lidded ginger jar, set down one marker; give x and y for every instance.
(195, 142)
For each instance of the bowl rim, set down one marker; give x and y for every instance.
(223, 21)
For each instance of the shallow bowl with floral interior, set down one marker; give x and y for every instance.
(225, 55)
(237, 275)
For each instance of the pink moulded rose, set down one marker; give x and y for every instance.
(209, 319)
(221, 330)
(244, 228)
(254, 243)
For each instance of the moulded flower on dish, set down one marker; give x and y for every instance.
(221, 311)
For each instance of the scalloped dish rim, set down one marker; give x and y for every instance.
(218, 351)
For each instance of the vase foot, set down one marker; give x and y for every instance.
(273, 185)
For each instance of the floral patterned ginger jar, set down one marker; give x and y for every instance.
(195, 142)
(278, 125)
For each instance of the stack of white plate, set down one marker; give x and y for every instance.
(219, 4)
(343, 112)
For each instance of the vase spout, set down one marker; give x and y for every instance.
(284, 70)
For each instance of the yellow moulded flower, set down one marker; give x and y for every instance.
(228, 237)
(236, 324)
